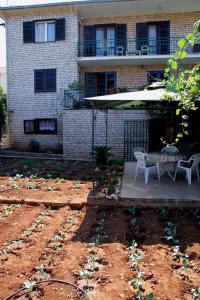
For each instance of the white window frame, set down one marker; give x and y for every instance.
(45, 30)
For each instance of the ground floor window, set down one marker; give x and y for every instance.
(40, 126)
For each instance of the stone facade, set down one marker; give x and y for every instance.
(126, 76)
(23, 59)
(180, 23)
(74, 127)
(77, 134)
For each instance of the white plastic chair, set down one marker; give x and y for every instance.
(170, 149)
(144, 163)
(120, 50)
(190, 165)
(139, 149)
(144, 49)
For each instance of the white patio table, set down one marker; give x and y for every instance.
(164, 161)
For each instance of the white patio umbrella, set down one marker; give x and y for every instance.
(145, 95)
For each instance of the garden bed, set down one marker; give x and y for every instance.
(151, 253)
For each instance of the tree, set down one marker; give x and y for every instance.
(3, 110)
(183, 85)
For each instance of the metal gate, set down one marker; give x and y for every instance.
(136, 134)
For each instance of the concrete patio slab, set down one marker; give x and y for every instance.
(166, 190)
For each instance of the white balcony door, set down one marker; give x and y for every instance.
(152, 31)
(110, 41)
(105, 40)
(100, 41)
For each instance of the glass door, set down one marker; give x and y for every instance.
(152, 36)
(105, 40)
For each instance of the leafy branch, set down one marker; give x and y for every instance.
(182, 85)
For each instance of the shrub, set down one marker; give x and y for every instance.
(101, 155)
(34, 146)
(58, 149)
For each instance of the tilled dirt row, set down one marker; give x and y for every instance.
(90, 249)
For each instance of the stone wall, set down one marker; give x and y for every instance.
(77, 131)
(180, 23)
(23, 59)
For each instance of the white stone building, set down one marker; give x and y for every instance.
(106, 45)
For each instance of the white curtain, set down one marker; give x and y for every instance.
(47, 125)
(110, 41)
(40, 32)
(51, 32)
(100, 41)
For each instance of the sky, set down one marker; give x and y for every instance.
(2, 29)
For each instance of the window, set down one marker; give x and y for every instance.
(45, 80)
(41, 31)
(45, 31)
(46, 126)
(29, 126)
(153, 76)
(40, 126)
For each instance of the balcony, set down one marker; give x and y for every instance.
(76, 99)
(133, 52)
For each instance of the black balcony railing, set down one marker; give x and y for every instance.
(133, 46)
(76, 99)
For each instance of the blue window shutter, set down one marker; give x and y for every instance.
(121, 36)
(60, 29)
(28, 32)
(89, 34)
(141, 35)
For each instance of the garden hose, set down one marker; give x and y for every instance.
(49, 281)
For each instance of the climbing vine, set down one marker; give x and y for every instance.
(183, 85)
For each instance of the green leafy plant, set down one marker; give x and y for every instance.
(101, 155)
(3, 111)
(184, 262)
(29, 285)
(170, 233)
(196, 293)
(52, 188)
(183, 85)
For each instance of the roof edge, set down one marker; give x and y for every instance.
(74, 3)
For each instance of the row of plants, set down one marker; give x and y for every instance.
(92, 263)
(182, 259)
(34, 227)
(7, 210)
(135, 256)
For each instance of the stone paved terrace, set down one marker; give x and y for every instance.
(166, 191)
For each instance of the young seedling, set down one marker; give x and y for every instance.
(41, 270)
(185, 262)
(175, 251)
(29, 285)
(32, 186)
(52, 188)
(77, 184)
(86, 275)
(59, 180)
(170, 233)
(196, 293)
(16, 187)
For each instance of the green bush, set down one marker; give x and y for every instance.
(3, 110)
(101, 155)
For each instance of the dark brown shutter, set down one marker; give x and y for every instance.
(60, 29)
(163, 37)
(39, 81)
(28, 32)
(50, 80)
(90, 84)
(89, 43)
(121, 36)
(141, 35)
